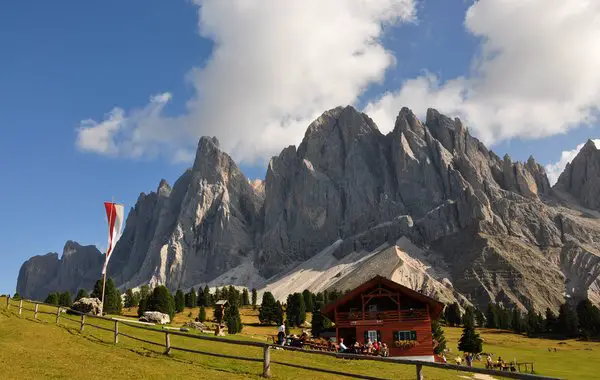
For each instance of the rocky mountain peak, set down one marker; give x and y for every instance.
(163, 188)
(581, 177)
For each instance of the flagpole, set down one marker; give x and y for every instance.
(106, 270)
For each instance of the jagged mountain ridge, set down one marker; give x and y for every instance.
(500, 231)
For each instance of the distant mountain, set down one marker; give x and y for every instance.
(427, 204)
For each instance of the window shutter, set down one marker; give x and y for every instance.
(366, 336)
(378, 336)
(413, 335)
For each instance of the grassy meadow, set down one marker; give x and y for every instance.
(41, 349)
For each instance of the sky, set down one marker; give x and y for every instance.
(101, 100)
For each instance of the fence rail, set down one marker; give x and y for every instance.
(266, 359)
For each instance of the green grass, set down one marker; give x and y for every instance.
(41, 349)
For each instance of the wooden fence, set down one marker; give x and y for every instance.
(266, 359)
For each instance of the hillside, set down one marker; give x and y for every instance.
(460, 222)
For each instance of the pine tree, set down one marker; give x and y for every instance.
(492, 316)
(245, 297)
(233, 296)
(217, 296)
(82, 293)
(588, 316)
(308, 300)
(202, 314)
(566, 323)
(200, 300)
(254, 298)
(52, 298)
(218, 314)
(208, 298)
(131, 298)
(144, 291)
(452, 314)
(550, 325)
(143, 305)
(233, 319)
(319, 322)
(296, 309)
(470, 341)
(161, 300)
(190, 298)
(438, 336)
(267, 312)
(64, 299)
(179, 301)
(479, 318)
(469, 316)
(517, 324)
(16, 296)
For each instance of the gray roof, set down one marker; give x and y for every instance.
(221, 302)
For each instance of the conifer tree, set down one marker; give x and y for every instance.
(64, 299)
(52, 298)
(268, 310)
(179, 301)
(254, 298)
(131, 298)
(438, 337)
(470, 341)
(491, 316)
(452, 314)
(296, 309)
(566, 323)
(308, 300)
(517, 323)
(233, 319)
(202, 314)
(161, 300)
(319, 322)
(82, 293)
(479, 318)
(208, 298)
(588, 316)
(550, 325)
(245, 297)
(200, 300)
(144, 291)
(16, 296)
(190, 298)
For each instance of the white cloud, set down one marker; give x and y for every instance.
(126, 135)
(554, 170)
(537, 74)
(275, 67)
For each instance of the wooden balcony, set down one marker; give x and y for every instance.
(382, 316)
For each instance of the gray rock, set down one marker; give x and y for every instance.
(155, 317)
(196, 325)
(78, 268)
(88, 306)
(581, 177)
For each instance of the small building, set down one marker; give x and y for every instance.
(383, 310)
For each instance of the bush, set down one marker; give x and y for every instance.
(161, 300)
(16, 296)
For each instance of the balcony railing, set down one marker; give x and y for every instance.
(384, 316)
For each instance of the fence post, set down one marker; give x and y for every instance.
(35, 312)
(20, 307)
(267, 361)
(167, 343)
(116, 332)
(419, 371)
(7, 302)
(57, 315)
(82, 323)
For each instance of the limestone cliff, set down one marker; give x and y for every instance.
(483, 227)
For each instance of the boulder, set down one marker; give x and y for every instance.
(88, 306)
(155, 317)
(196, 325)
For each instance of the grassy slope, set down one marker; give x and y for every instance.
(35, 350)
(574, 360)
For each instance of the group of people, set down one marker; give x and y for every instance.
(368, 348)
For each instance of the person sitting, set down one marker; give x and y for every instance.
(384, 350)
(488, 362)
(458, 360)
(281, 334)
(343, 347)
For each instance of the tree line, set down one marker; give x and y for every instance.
(583, 320)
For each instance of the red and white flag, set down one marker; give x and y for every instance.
(114, 214)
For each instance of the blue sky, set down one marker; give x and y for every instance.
(71, 61)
